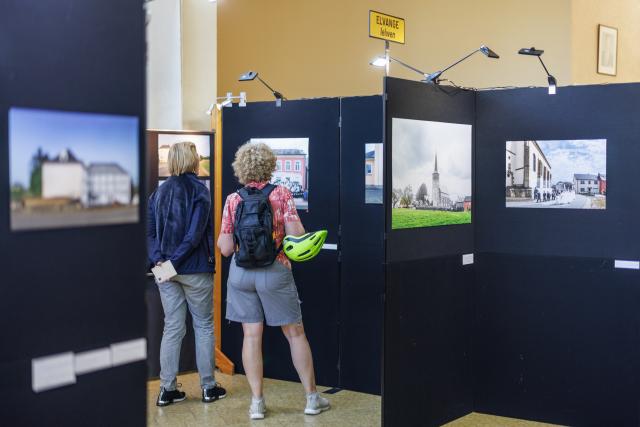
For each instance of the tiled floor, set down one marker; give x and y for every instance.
(285, 404)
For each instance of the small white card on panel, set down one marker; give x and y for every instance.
(93, 360)
(54, 371)
(630, 265)
(467, 259)
(128, 351)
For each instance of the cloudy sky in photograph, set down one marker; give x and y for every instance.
(584, 156)
(415, 144)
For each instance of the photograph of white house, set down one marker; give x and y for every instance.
(72, 169)
(203, 147)
(569, 174)
(373, 169)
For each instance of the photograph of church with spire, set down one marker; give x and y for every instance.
(431, 174)
(71, 169)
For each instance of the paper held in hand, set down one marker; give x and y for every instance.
(164, 272)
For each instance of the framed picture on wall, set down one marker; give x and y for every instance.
(201, 141)
(607, 50)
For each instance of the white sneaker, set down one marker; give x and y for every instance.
(316, 404)
(257, 409)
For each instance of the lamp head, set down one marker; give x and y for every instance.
(488, 52)
(531, 51)
(379, 61)
(248, 76)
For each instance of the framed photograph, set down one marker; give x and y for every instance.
(607, 50)
(292, 166)
(567, 174)
(373, 168)
(202, 142)
(72, 169)
(431, 174)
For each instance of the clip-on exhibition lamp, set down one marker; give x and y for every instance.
(227, 101)
(553, 84)
(435, 77)
(252, 75)
(382, 61)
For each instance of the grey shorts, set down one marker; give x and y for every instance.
(256, 294)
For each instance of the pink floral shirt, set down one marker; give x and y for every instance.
(284, 210)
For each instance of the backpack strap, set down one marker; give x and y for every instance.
(267, 189)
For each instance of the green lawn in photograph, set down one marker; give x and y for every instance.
(412, 218)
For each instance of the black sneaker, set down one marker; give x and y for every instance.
(213, 394)
(167, 397)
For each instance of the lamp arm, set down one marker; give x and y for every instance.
(459, 61)
(545, 68)
(407, 66)
(274, 92)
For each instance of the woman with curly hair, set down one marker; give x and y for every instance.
(254, 294)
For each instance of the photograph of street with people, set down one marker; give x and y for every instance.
(72, 169)
(431, 174)
(569, 174)
(292, 166)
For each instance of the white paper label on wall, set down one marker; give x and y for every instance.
(128, 351)
(52, 371)
(630, 265)
(467, 259)
(91, 361)
(330, 246)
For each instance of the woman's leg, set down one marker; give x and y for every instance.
(301, 355)
(252, 356)
(175, 309)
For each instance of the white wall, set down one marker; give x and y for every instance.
(164, 70)
(199, 60)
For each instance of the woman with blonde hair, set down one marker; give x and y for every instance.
(179, 230)
(260, 283)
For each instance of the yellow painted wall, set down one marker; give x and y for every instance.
(308, 48)
(622, 14)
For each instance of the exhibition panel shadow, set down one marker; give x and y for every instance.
(506, 286)
(329, 154)
(72, 255)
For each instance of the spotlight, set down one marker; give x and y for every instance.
(434, 77)
(381, 61)
(532, 51)
(252, 75)
(210, 109)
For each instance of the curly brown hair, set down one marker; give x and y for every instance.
(254, 162)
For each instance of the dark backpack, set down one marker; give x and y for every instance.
(253, 228)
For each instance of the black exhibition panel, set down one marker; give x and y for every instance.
(428, 306)
(361, 249)
(427, 359)
(579, 112)
(418, 101)
(155, 313)
(557, 340)
(556, 325)
(72, 289)
(318, 280)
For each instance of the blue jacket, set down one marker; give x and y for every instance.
(179, 225)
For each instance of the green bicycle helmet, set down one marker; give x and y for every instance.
(303, 248)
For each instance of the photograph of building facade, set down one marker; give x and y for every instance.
(91, 177)
(553, 174)
(292, 166)
(431, 173)
(373, 169)
(203, 146)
